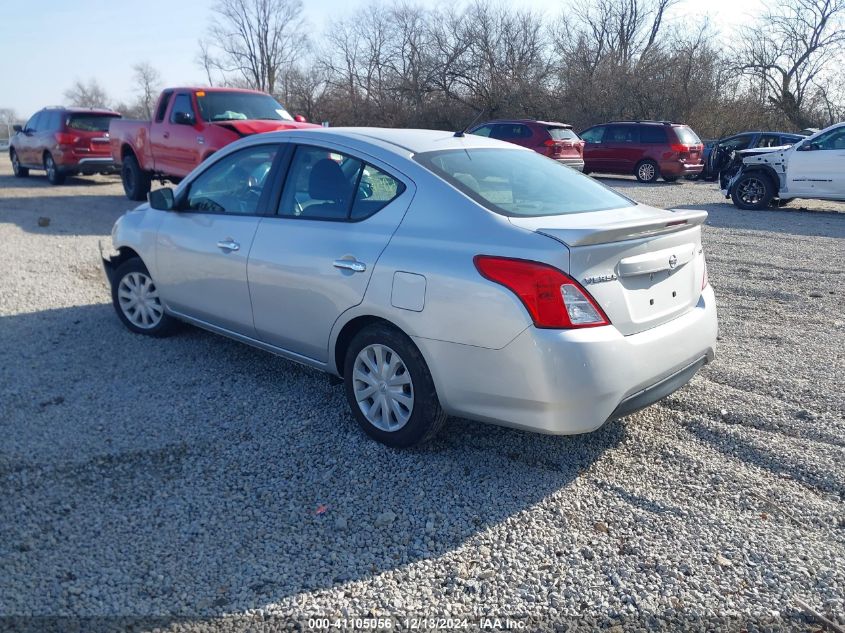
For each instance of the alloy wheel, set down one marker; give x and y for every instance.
(51, 168)
(139, 300)
(16, 166)
(646, 171)
(383, 387)
(751, 191)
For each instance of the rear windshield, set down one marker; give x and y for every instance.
(687, 136)
(513, 182)
(90, 122)
(562, 134)
(239, 106)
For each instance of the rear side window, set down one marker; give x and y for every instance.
(484, 130)
(326, 185)
(653, 134)
(510, 131)
(687, 136)
(162, 106)
(562, 133)
(90, 122)
(594, 134)
(622, 134)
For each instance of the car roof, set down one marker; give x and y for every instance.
(79, 110)
(537, 121)
(212, 89)
(400, 141)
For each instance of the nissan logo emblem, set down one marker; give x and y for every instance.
(673, 261)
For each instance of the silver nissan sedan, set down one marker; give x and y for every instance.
(435, 274)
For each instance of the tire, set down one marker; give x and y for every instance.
(647, 171)
(753, 192)
(17, 170)
(670, 178)
(415, 414)
(131, 281)
(136, 181)
(55, 176)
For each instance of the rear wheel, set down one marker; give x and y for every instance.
(20, 172)
(136, 300)
(389, 388)
(136, 181)
(752, 192)
(55, 176)
(647, 171)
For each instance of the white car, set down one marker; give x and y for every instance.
(812, 168)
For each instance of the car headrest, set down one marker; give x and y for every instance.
(327, 181)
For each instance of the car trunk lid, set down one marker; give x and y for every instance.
(643, 266)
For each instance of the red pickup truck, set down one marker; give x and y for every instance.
(190, 124)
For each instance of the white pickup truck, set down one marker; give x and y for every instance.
(812, 168)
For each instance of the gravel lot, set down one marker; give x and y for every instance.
(180, 480)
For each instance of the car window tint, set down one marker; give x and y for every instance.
(562, 133)
(510, 131)
(234, 183)
(520, 183)
(376, 190)
(832, 140)
(90, 122)
(622, 134)
(162, 106)
(737, 142)
(484, 130)
(653, 134)
(594, 134)
(36, 123)
(182, 103)
(769, 140)
(321, 184)
(789, 139)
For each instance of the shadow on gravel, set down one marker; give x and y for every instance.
(194, 476)
(71, 214)
(796, 222)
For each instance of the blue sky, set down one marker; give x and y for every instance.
(44, 49)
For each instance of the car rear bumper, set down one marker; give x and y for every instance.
(85, 164)
(575, 163)
(572, 381)
(677, 168)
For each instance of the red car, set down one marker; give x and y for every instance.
(189, 125)
(555, 140)
(646, 149)
(63, 142)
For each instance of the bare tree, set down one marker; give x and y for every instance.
(148, 84)
(87, 95)
(255, 41)
(789, 50)
(8, 118)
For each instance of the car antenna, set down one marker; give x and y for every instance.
(460, 133)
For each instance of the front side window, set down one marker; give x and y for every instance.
(233, 184)
(769, 140)
(36, 123)
(737, 142)
(833, 140)
(181, 105)
(594, 134)
(520, 183)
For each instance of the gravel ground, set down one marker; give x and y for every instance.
(198, 484)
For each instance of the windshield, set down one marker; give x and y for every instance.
(240, 106)
(520, 183)
(90, 122)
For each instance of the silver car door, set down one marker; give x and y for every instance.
(313, 259)
(202, 247)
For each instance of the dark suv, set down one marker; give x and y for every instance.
(646, 149)
(555, 140)
(63, 142)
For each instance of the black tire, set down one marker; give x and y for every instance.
(55, 176)
(136, 181)
(647, 171)
(17, 170)
(426, 415)
(753, 192)
(165, 325)
(670, 178)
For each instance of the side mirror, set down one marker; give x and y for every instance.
(183, 118)
(300, 119)
(17, 128)
(162, 199)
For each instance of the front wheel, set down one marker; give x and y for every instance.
(54, 175)
(752, 192)
(647, 171)
(17, 170)
(389, 388)
(136, 300)
(136, 181)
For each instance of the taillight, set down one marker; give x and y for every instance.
(64, 138)
(549, 142)
(552, 298)
(678, 147)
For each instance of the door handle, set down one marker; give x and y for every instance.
(166, 135)
(350, 264)
(228, 245)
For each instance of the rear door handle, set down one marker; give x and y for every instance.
(166, 135)
(350, 264)
(228, 245)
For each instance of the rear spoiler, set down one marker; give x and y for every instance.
(630, 229)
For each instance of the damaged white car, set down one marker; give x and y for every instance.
(812, 168)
